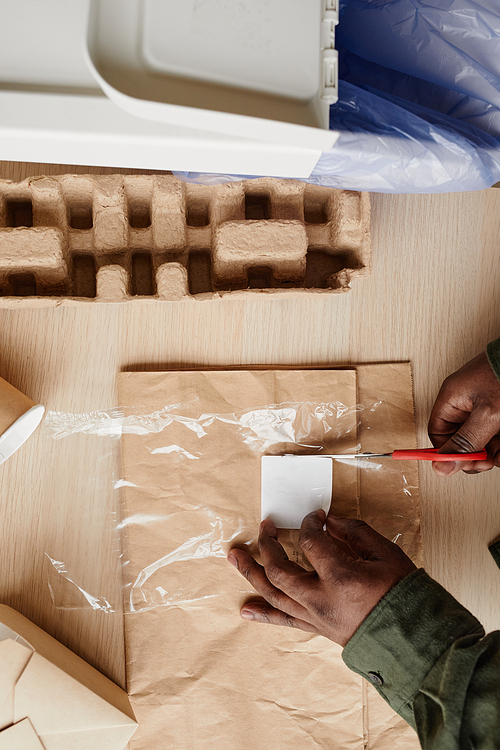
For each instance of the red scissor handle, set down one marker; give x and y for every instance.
(432, 454)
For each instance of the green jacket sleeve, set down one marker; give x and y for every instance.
(493, 354)
(428, 657)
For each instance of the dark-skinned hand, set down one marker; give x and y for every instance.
(354, 567)
(466, 417)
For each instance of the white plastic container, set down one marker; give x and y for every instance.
(253, 68)
(52, 109)
(19, 418)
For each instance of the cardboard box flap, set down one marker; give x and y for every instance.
(13, 657)
(7, 711)
(68, 703)
(116, 738)
(57, 703)
(20, 736)
(66, 660)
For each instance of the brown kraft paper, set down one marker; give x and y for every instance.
(198, 676)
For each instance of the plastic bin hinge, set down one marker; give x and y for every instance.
(331, 10)
(328, 34)
(329, 71)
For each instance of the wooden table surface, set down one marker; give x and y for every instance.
(432, 298)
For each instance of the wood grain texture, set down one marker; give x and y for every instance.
(432, 298)
(17, 171)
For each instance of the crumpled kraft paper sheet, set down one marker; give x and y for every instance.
(199, 676)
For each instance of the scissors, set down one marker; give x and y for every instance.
(417, 454)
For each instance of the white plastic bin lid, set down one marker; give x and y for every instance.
(20, 431)
(251, 68)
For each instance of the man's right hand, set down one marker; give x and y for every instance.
(466, 417)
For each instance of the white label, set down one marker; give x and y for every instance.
(293, 486)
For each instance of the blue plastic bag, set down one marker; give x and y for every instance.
(419, 98)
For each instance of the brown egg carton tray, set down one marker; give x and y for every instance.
(78, 239)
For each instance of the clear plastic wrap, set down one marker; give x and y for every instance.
(419, 98)
(178, 487)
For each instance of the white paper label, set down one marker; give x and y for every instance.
(293, 486)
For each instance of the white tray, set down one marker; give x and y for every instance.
(52, 109)
(249, 68)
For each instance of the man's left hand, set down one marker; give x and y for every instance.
(354, 567)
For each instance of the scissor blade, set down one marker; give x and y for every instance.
(340, 455)
(357, 455)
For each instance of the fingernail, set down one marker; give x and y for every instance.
(247, 614)
(233, 559)
(444, 469)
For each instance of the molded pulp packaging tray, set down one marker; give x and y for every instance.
(80, 239)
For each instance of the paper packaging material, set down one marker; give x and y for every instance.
(79, 239)
(20, 736)
(19, 417)
(199, 676)
(52, 699)
(293, 486)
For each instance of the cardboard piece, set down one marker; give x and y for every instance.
(293, 486)
(67, 702)
(19, 418)
(77, 239)
(20, 736)
(13, 404)
(198, 675)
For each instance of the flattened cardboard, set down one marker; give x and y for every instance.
(13, 404)
(20, 736)
(200, 677)
(68, 703)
